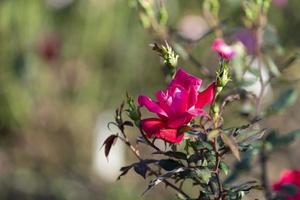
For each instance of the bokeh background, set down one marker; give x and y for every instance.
(65, 66)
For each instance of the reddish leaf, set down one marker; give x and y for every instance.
(108, 143)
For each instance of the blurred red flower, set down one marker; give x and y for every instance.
(288, 178)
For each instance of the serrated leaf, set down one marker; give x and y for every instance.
(108, 144)
(212, 134)
(224, 168)
(285, 99)
(204, 175)
(195, 158)
(248, 137)
(204, 145)
(246, 187)
(169, 164)
(231, 144)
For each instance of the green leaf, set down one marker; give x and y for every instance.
(277, 140)
(163, 15)
(204, 174)
(250, 136)
(169, 164)
(141, 169)
(212, 134)
(204, 145)
(273, 67)
(246, 186)
(285, 99)
(224, 168)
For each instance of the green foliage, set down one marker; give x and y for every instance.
(285, 99)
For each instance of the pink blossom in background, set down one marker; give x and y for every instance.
(247, 38)
(223, 49)
(288, 177)
(280, 3)
(176, 107)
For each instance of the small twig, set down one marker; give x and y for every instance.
(264, 176)
(227, 100)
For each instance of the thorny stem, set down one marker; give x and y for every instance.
(218, 160)
(215, 148)
(137, 155)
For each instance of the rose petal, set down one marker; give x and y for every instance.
(206, 97)
(152, 126)
(180, 120)
(171, 135)
(179, 101)
(185, 80)
(151, 105)
(164, 100)
(198, 112)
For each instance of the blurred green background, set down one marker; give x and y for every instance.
(65, 65)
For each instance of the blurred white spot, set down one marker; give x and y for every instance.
(256, 86)
(192, 27)
(108, 169)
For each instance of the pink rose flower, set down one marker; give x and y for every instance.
(223, 49)
(175, 107)
(288, 177)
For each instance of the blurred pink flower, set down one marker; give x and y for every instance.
(176, 107)
(288, 177)
(192, 27)
(223, 49)
(280, 3)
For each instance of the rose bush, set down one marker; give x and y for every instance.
(201, 160)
